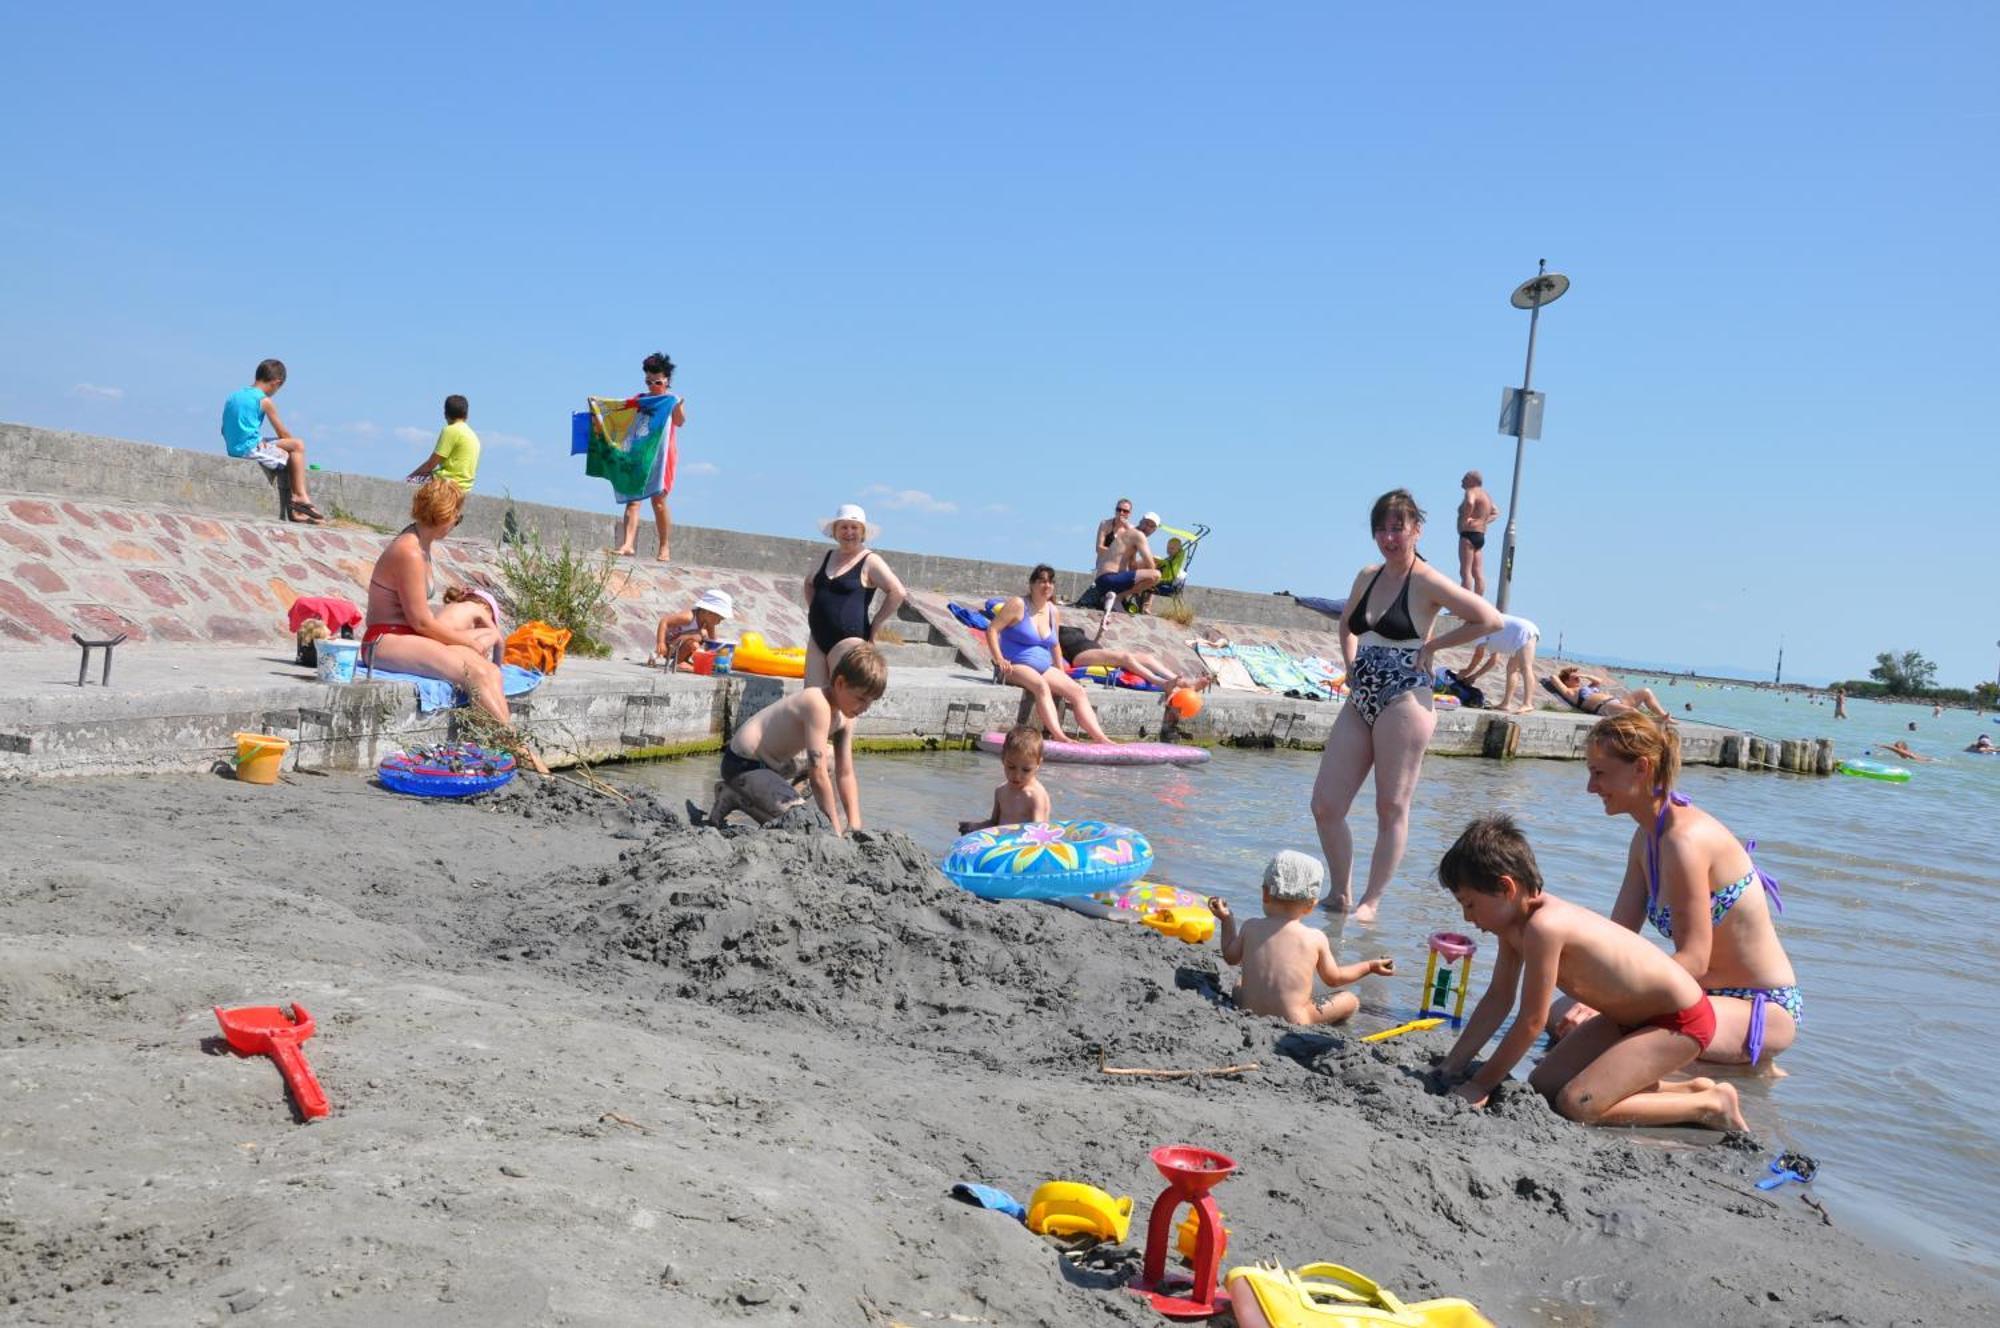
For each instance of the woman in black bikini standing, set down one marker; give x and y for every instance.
(840, 588)
(1387, 720)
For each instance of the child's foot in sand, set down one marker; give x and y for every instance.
(621, 552)
(1724, 1110)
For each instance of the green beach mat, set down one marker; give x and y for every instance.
(1273, 669)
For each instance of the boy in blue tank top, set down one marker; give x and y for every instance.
(243, 417)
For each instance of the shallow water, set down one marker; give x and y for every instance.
(1890, 897)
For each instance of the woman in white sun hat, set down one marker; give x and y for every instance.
(839, 590)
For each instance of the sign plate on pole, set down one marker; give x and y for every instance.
(1511, 422)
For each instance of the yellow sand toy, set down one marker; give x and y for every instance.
(753, 654)
(1414, 1026)
(1191, 922)
(1326, 1295)
(1070, 1208)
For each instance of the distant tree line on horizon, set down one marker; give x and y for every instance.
(1907, 674)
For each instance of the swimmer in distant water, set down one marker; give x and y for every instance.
(1902, 749)
(1840, 703)
(1982, 744)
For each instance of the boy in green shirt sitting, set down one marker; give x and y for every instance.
(456, 453)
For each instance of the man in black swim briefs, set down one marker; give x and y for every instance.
(1475, 513)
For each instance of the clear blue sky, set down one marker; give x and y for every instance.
(985, 269)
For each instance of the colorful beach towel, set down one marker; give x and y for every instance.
(437, 694)
(631, 443)
(1219, 658)
(1274, 670)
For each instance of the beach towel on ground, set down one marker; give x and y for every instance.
(437, 694)
(1220, 660)
(972, 618)
(1273, 669)
(632, 444)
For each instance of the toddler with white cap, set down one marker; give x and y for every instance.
(1280, 955)
(681, 632)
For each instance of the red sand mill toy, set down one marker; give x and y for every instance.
(266, 1030)
(1191, 1173)
(1438, 982)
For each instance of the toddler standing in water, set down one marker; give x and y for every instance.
(1654, 1017)
(1022, 798)
(1280, 955)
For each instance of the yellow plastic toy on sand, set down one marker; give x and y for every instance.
(1326, 1295)
(753, 654)
(1191, 922)
(1071, 1208)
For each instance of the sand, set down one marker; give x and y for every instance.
(591, 1066)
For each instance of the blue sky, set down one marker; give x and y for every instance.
(986, 269)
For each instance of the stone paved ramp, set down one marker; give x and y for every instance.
(173, 578)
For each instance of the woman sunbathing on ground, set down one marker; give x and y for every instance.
(457, 643)
(1592, 694)
(1082, 652)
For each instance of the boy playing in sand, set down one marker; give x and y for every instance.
(1022, 798)
(1280, 955)
(244, 415)
(1654, 1017)
(804, 740)
(455, 455)
(681, 632)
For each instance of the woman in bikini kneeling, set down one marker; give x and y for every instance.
(460, 642)
(1700, 888)
(1593, 695)
(1387, 721)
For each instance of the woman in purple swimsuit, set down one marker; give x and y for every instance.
(1700, 889)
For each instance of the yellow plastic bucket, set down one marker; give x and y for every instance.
(258, 756)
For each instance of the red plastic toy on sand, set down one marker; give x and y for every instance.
(266, 1030)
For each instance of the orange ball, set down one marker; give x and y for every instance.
(1184, 703)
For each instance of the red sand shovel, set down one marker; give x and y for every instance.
(266, 1030)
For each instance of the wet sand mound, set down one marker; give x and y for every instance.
(591, 1066)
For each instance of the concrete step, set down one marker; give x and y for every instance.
(922, 655)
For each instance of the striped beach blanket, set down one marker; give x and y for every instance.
(1274, 670)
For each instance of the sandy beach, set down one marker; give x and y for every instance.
(589, 1066)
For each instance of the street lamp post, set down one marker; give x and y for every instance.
(1522, 410)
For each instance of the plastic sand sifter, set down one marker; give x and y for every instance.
(1191, 1173)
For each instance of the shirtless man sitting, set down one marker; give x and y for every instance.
(1126, 566)
(1475, 513)
(804, 741)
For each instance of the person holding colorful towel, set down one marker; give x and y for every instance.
(659, 372)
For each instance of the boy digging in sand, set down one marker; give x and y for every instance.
(805, 739)
(1654, 1019)
(1280, 955)
(1022, 798)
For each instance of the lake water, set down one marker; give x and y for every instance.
(1890, 893)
